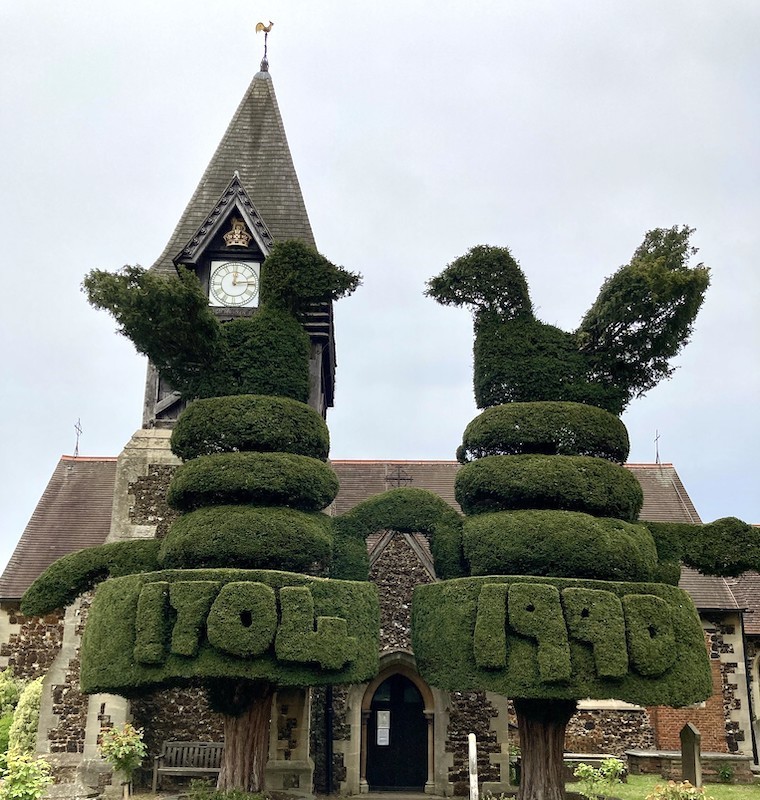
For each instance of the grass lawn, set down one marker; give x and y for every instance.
(639, 786)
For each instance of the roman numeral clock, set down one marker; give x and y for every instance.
(234, 284)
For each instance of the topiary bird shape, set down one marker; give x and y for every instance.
(641, 319)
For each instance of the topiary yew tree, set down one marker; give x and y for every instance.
(235, 598)
(564, 599)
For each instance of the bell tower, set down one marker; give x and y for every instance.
(248, 199)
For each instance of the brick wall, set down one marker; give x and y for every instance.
(708, 717)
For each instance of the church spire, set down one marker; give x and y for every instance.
(254, 146)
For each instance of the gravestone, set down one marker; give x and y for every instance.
(691, 758)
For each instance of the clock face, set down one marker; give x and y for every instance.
(234, 284)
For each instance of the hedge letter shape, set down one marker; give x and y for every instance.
(651, 639)
(535, 612)
(192, 601)
(596, 617)
(489, 642)
(152, 623)
(330, 645)
(243, 619)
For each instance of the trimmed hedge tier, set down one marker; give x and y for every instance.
(253, 478)
(249, 537)
(250, 422)
(569, 483)
(558, 638)
(405, 510)
(177, 627)
(558, 543)
(73, 574)
(567, 429)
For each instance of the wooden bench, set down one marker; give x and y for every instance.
(187, 759)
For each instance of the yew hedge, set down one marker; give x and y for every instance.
(548, 428)
(250, 422)
(254, 478)
(571, 483)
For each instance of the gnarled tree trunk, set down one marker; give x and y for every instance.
(246, 735)
(542, 726)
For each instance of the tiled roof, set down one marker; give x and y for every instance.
(256, 147)
(665, 499)
(708, 591)
(746, 589)
(74, 512)
(362, 479)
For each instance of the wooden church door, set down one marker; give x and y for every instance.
(397, 737)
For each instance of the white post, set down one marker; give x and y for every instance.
(473, 766)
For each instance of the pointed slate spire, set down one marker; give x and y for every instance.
(256, 147)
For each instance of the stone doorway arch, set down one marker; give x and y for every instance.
(396, 670)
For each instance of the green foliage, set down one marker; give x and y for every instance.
(525, 360)
(409, 510)
(263, 479)
(642, 318)
(167, 319)
(535, 612)
(669, 539)
(249, 537)
(557, 543)
(68, 577)
(10, 691)
(567, 483)
(267, 353)
(114, 624)
(681, 790)
(243, 618)
(6, 720)
(22, 736)
(123, 748)
(650, 634)
(329, 645)
(26, 778)
(250, 422)
(599, 782)
(295, 275)
(446, 616)
(725, 547)
(350, 560)
(548, 428)
(596, 617)
(644, 313)
(485, 279)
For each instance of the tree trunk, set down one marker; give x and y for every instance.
(542, 726)
(246, 737)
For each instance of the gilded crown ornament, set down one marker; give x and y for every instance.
(237, 235)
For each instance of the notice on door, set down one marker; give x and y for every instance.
(383, 728)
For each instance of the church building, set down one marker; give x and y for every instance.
(326, 740)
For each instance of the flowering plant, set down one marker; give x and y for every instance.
(678, 791)
(123, 748)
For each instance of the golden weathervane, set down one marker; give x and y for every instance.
(260, 26)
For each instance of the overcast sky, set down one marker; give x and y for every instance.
(418, 129)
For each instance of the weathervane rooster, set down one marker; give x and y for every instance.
(260, 26)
